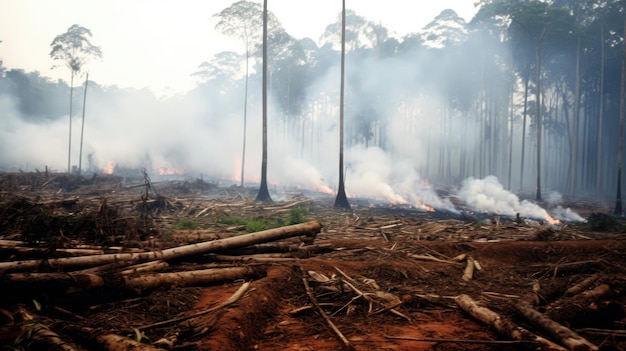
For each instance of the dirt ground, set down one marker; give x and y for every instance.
(376, 277)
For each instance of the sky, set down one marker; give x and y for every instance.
(158, 44)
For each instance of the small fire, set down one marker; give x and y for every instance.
(170, 171)
(108, 168)
(325, 189)
(552, 220)
(425, 207)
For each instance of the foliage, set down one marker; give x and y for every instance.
(602, 222)
(186, 224)
(294, 216)
(74, 48)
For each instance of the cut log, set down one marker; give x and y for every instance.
(502, 325)
(41, 333)
(144, 281)
(468, 273)
(559, 332)
(309, 229)
(99, 339)
(566, 310)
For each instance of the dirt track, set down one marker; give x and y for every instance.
(386, 277)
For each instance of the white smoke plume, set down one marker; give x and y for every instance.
(373, 174)
(488, 195)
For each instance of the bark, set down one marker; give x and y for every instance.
(565, 310)
(41, 334)
(564, 335)
(144, 281)
(309, 228)
(502, 325)
(102, 340)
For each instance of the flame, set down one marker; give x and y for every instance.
(552, 220)
(170, 171)
(425, 207)
(108, 168)
(325, 189)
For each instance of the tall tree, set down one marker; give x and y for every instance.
(264, 194)
(82, 127)
(341, 200)
(622, 112)
(244, 21)
(75, 49)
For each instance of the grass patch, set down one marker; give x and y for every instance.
(186, 224)
(294, 216)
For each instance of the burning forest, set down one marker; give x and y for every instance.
(449, 189)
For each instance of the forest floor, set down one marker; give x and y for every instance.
(376, 277)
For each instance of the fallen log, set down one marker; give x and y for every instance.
(501, 324)
(42, 335)
(100, 339)
(468, 273)
(144, 281)
(559, 332)
(566, 310)
(308, 229)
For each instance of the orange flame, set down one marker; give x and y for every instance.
(170, 171)
(108, 168)
(426, 207)
(552, 220)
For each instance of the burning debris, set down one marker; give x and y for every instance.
(489, 196)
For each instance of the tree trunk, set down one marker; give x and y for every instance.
(82, 128)
(341, 201)
(264, 193)
(564, 335)
(622, 111)
(600, 119)
(308, 228)
(69, 145)
(521, 172)
(502, 325)
(245, 118)
(538, 114)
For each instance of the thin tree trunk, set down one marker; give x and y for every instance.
(264, 194)
(82, 128)
(538, 114)
(600, 119)
(521, 172)
(245, 118)
(69, 145)
(341, 201)
(574, 150)
(618, 198)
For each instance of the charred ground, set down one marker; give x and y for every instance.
(386, 276)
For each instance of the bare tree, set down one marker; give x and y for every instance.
(264, 194)
(75, 50)
(622, 112)
(341, 200)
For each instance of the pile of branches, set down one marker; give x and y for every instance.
(49, 302)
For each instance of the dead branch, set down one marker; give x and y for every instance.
(231, 300)
(41, 334)
(319, 309)
(309, 228)
(564, 335)
(461, 341)
(501, 324)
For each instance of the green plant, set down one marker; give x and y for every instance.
(186, 224)
(296, 215)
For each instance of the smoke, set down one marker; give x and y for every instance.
(488, 195)
(373, 174)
